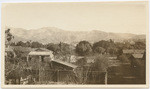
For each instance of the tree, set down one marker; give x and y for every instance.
(64, 48)
(20, 43)
(112, 50)
(99, 47)
(36, 45)
(83, 48)
(139, 45)
(120, 51)
(81, 62)
(28, 44)
(54, 47)
(8, 35)
(123, 58)
(101, 43)
(100, 50)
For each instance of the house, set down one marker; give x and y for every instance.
(40, 53)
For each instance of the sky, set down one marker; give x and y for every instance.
(118, 17)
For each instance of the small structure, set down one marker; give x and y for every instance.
(41, 53)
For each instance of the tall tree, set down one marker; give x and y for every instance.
(83, 48)
(8, 37)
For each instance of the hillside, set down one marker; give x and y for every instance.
(55, 35)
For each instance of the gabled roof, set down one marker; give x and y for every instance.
(137, 55)
(65, 63)
(40, 53)
(131, 51)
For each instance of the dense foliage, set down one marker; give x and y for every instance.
(83, 48)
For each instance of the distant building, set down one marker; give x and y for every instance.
(129, 52)
(132, 51)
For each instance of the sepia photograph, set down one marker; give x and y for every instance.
(75, 43)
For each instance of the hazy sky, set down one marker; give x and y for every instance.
(120, 17)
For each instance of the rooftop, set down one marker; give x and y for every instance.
(131, 51)
(65, 63)
(137, 55)
(40, 53)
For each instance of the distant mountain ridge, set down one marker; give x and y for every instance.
(56, 35)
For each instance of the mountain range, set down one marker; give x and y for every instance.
(56, 35)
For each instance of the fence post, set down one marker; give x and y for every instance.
(39, 69)
(58, 76)
(106, 77)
